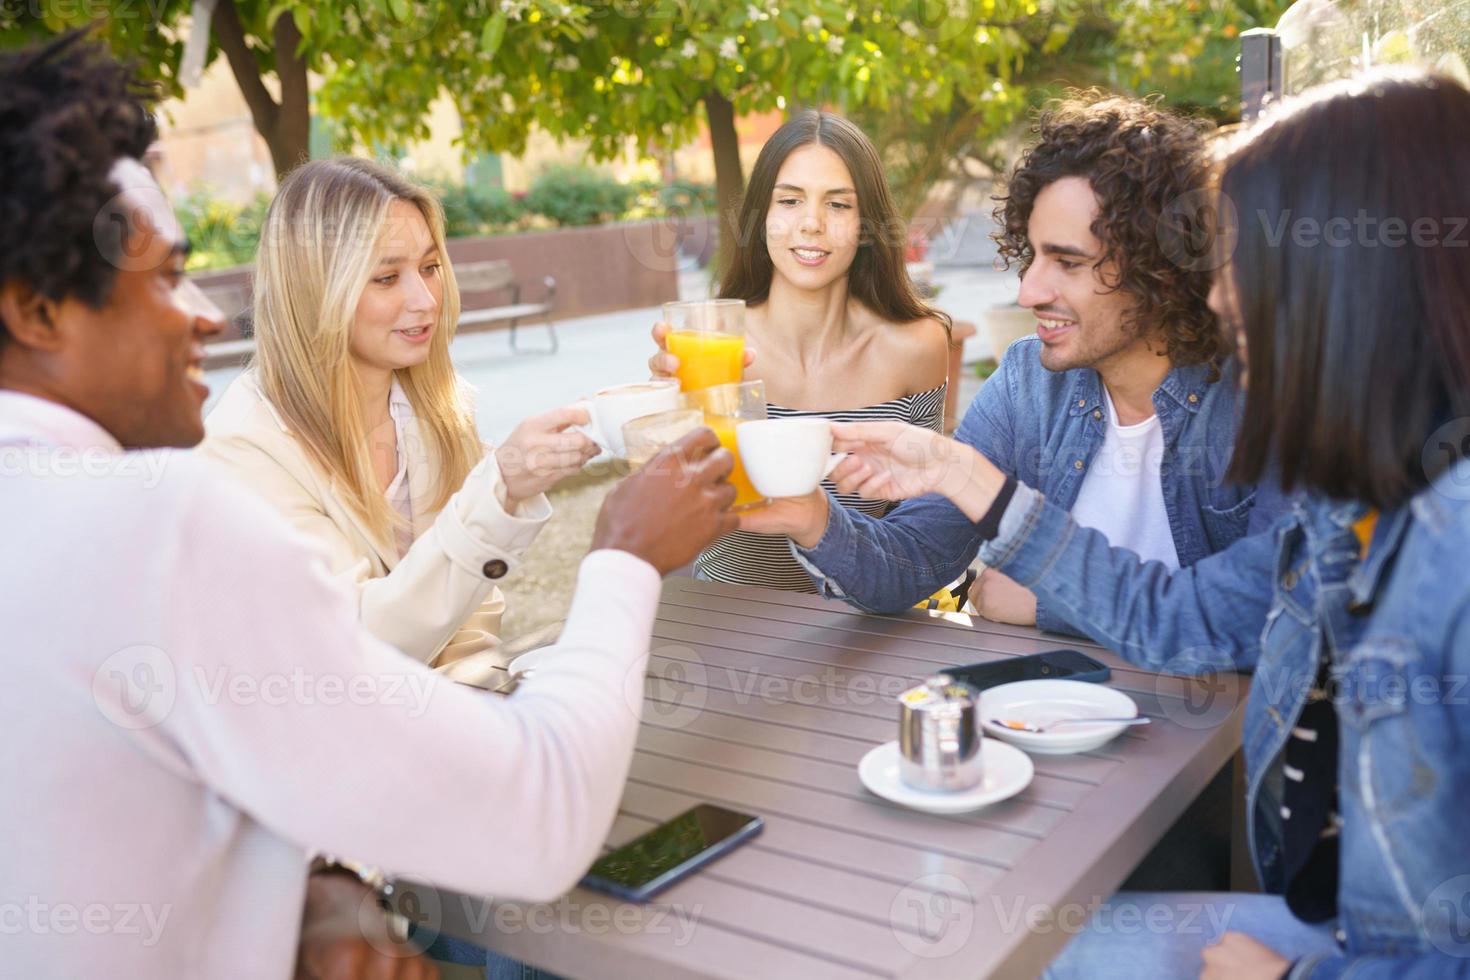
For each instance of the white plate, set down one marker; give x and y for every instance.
(529, 661)
(1046, 701)
(1007, 772)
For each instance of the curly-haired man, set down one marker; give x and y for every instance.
(1122, 408)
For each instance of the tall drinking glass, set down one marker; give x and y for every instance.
(708, 338)
(725, 407)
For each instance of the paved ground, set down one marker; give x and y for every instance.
(597, 351)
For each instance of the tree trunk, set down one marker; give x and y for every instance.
(729, 176)
(285, 126)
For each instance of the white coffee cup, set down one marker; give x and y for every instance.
(612, 408)
(786, 457)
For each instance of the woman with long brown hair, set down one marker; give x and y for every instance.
(841, 332)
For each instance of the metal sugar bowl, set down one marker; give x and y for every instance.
(938, 736)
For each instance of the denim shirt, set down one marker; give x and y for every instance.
(1044, 428)
(1395, 626)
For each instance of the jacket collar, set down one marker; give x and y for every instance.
(1184, 385)
(1333, 517)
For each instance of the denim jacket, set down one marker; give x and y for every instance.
(1044, 428)
(1395, 627)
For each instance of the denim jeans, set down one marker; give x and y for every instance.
(1144, 935)
(498, 966)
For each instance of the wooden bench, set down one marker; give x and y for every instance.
(473, 277)
(496, 276)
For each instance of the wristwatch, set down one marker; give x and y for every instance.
(377, 882)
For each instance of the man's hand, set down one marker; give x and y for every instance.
(344, 936)
(664, 365)
(673, 506)
(1001, 600)
(1239, 957)
(541, 452)
(803, 519)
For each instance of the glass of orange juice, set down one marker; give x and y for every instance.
(725, 407)
(708, 338)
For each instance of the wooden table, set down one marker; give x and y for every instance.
(764, 702)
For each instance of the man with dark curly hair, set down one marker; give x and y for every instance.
(1122, 408)
(190, 702)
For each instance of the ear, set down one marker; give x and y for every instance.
(30, 318)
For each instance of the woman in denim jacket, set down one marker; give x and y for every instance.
(1349, 290)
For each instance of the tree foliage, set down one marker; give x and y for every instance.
(939, 80)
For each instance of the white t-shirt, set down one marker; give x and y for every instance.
(1121, 495)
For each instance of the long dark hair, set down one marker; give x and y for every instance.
(878, 277)
(1352, 272)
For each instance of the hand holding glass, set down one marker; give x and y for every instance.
(708, 338)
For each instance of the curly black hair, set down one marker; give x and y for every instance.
(68, 112)
(1143, 162)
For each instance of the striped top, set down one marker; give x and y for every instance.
(744, 558)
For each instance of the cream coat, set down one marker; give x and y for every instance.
(441, 592)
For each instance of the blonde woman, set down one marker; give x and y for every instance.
(353, 423)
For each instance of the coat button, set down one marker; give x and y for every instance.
(1097, 414)
(495, 568)
(1077, 465)
(1082, 403)
(1193, 398)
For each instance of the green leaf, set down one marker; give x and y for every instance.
(400, 10)
(493, 34)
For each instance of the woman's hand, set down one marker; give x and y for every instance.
(1000, 600)
(541, 452)
(897, 461)
(664, 365)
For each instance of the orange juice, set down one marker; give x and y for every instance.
(707, 358)
(724, 427)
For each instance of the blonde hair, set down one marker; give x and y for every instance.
(315, 259)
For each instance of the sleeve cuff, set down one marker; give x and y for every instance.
(1016, 525)
(481, 519)
(835, 536)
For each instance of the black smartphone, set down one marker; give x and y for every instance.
(671, 852)
(1072, 665)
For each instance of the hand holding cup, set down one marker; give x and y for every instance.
(542, 451)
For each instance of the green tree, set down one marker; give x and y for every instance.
(935, 79)
(646, 68)
(1184, 51)
(379, 58)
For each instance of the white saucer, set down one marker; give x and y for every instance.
(1045, 701)
(527, 662)
(1007, 772)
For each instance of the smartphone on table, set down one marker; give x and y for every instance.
(670, 852)
(1072, 665)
